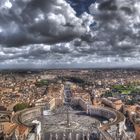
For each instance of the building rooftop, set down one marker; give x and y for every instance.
(22, 129)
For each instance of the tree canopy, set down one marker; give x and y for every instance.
(20, 106)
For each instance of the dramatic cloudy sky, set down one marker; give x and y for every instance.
(69, 33)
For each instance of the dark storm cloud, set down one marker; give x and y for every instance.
(26, 22)
(118, 25)
(114, 41)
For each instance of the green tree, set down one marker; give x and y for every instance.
(42, 83)
(20, 106)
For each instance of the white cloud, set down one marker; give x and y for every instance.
(5, 4)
